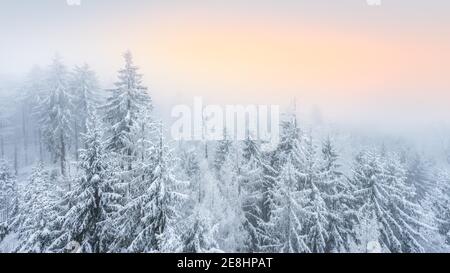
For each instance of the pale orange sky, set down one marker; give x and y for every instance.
(346, 57)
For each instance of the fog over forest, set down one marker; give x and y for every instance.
(89, 162)
(96, 166)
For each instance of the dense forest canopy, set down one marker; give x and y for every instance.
(93, 167)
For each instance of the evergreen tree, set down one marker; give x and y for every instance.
(222, 152)
(8, 193)
(339, 199)
(439, 197)
(55, 113)
(283, 232)
(84, 88)
(251, 187)
(31, 90)
(147, 221)
(126, 101)
(385, 197)
(232, 232)
(257, 179)
(191, 167)
(313, 191)
(418, 175)
(199, 236)
(36, 212)
(90, 197)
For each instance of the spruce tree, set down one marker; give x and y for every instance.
(90, 198)
(342, 216)
(8, 193)
(55, 113)
(385, 196)
(147, 223)
(84, 89)
(36, 211)
(199, 236)
(283, 233)
(223, 149)
(123, 106)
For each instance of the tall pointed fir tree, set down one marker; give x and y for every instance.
(191, 167)
(254, 184)
(147, 223)
(3, 128)
(313, 196)
(439, 201)
(84, 88)
(55, 113)
(233, 234)
(29, 94)
(222, 152)
(200, 233)
(272, 182)
(37, 200)
(122, 108)
(338, 196)
(290, 139)
(92, 197)
(283, 232)
(387, 200)
(8, 193)
(418, 175)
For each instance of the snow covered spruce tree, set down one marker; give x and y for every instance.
(338, 196)
(283, 233)
(203, 211)
(418, 175)
(386, 200)
(126, 101)
(438, 199)
(29, 95)
(281, 194)
(148, 222)
(223, 149)
(233, 234)
(37, 201)
(8, 194)
(191, 168)
(92, 198)
(313, 196)
(84, 88)
(5, 127)
(200, 234)
(55, 113)
(251, 188)
(255, 181)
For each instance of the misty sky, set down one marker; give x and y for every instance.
(357, 62)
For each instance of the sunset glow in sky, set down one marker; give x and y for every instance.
(344, 56)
